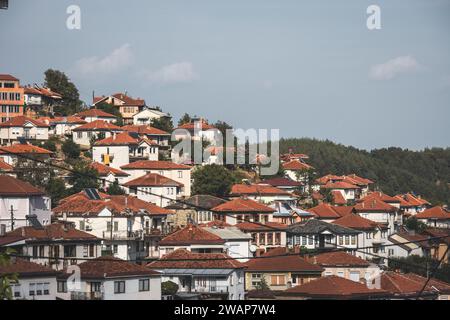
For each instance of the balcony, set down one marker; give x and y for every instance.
(86, 295)
(122, 235)
(211, 289)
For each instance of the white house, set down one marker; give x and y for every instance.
(109, 174)
(11, 154)
(237, 243)
(261, 192)
(157, 136)
(146, 116)
(379, 211)
(21, 204)
(93, 114)
(98, 129)
(109, 278)
(23, 128)
(436, 217)
(198, 129)
(208, 274)
(62, 126)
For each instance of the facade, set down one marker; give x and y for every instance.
(98, 129)
(157, 136)
(24, 129)
(436, 217)
(146, 116)
(11, 98)
(262, 193)
(62, 126)
(12, 154)
(198, 129)
(241, 209)
(127, 105)
(265, 236)
(109, 174)
(93, 114)
(40, 100)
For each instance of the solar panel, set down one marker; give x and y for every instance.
(134, 135)
(92, 194)
(35, 222)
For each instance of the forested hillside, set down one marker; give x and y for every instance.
(395, 170)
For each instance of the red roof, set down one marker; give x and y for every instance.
(381, 196)
(334, 287)
(371, 204)
(437, 212)
(121, 139)
(192, 125)
(184, 259)
(145, 130)
(282, 182)
(357, 222)
(340, 185)
(337, 259)
(338, 198)
(20, 121)
(129, 101)
(296, 165)
(5, 166)
(325, 211)
(410, 200)
(155, 165)
(282, 261)
(23, 149)
(153, 180)
(98, 125)
(411, 284)
(191, 234)
(68, 119)
(104, 170)
(95, 113)
(42, 91)
(52, 232)
(327, 178)
(256, 189)
(243, 205)
(8, 77)
(24, 269)
(12, 187)
(268, 226)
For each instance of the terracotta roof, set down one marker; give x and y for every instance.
(327, 178)
(191, 234)
(109, 267)
(184, 259)
(340, 185)
(98, 125)
(325, 211)
(23, 148)
(357, 222)
(337, 259)
(243, 205)
(256, 189)
(381, 196)
(413, 200)
(95, 113)
(204, 201)
(104, 170)
(5, 166)
(155, 165)
(338, 198)
(121, 139)
(145, 130)
(419, 240)
(191, 126)
(216, 223)
(42, 91)
(296, 165)
(437, 212)
(282, 182)
(52, 232)
(20, 121)
(12, 187)
(8, 77)
(410, 284)
(153, 180)
(373, 205)
(282, 261)
(129, 101)
(351, 178)
(25, 269)
(268, 226)
(68, 119)
(334, 287)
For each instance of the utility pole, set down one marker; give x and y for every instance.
(12, 218)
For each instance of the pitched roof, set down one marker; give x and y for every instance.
(282, 261)
(373, 205)
(95, 113)
(8, 77)
(184, 259)
(334, 287)
(203, 201)
(5, 166)
(129, 101)
(145, 130)
(337, 259)
(153, 180)
(410, 284)
(25, 269)
(314, 226)
(257, 189)
(282, 182)
(338, 198)
(104, 170)
(42, 91)
(192, 126)
(13, 187)
(52, 232)
(191, 234)
(20, 121)
(327, 211)
(98, 125)
(268, 226)
(242, 205)
(155, 165)
(121, 139)
(296, 165)
(357, 222)
(438, 213)
(339, 185)
(23, 149)
(353, 178)
(378, 195)
(68, 119)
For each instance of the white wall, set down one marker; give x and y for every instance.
(121, 155)
(25, 284)
(22, 207)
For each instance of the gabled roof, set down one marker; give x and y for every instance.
(52, 232)
(129, 101)
(357, 222)
(155, 165)
(98, 125)
(334, 287)
(192, 126)
(5, 166)
(282, 261)
(145, 130)
(121, 139)
(23, 149)
(353, 178)
(338, 198)
(21, 121)
(26, 269)
(184, 259)
(314, 226)
(42, 92)
(191, 234)
(104, 170)
(327, 211)
(378, 195)
(203, 201)
(410, 284)
(296, 165)
(257, 189)
(438, 213)
(12, 187)
(373, 204)
(68, 119)
(282, 182)
(95, 113)
(242, 205)
(8, 77)
(337, 259)
(340, 185)
(153, 180)
(258, 227)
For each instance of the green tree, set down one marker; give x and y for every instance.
(70, 149)
(82, 177)
(6, 279)
(56, 189)
(111, 109)
(169, 288)
(58, 81)
(213, 180)
(163, 123)
(413, 224)
(185, 118)
(262, 284)
(115, 190)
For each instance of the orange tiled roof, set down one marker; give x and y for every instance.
(268, 226)
(54, 231)
(68, 119)
(191, 126)
(20, 121)
(381, 196)
(410, 200)
(152, 180)
(98, 125)
(437, 212)
(95, 113)
(23, 149)
(191, 234)
(337, 259)
(296, 165)
(8, 77)
(155, 165)
(10, 187)
(325, 211)
(357, 222)
(257, 189)
(338, 198)
(104, 170)
(411, 284)
(339, 185)
(129, 101)
(24, 268)
(121, 139)
(145, 130)
(243, 205)
(373, 204)
(5, 166)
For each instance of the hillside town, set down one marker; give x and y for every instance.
(93, 206)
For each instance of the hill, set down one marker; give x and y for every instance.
(395, 170)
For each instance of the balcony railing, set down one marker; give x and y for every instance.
(86, 295)
(122, 235)
(211, 289)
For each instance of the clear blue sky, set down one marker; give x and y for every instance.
(309, 68)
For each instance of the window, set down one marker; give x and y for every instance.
(278, 238)
(79, 135)
(17, 291)
(85, 251)
(32, 289)
(9, 85)
(270, 238)
(278, 280)
(70, 251)
(41, 251)
(303, 240)
(62, 286)
(180, 174)
(46, 289)
(347, 240)
(82, 225)
(115, 249)
(35, 252)
(341, 240)
(310, 240)
(262, 238)
(144, 285)
(119, 287)
(353, 240)
(92, 250)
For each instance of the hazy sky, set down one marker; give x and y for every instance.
(309, 68)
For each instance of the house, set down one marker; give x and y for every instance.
(93, 114)
(11, 98)
(40, 100)
(286, 213)
(194, 209)
(410, 285)
(440, 242)
(34, 281)
(342, 264)
(127, 105)
(347, 190)
(279, 269)
(362, 184)
(412, 204)
(329, 213)
(98, 129)
(317, 234)
(131, 228)
(198, 129)
(405, 244)
(21, 128)
(109, 278)
(109, 175)
(146, 116)
(262, 193)
(159, 137)
(178, 172)
(285, 184)
(6, 168)
(155, 188)
(436, 217)
(265, 236)
(297, 170)
(333, 288)
(21, 204)
(13, 153)
(286, 157)
(377, 210)
(242, 209)
(373, 236)
(62, 126)
(118, 150)
(213, 275)
(55, 245)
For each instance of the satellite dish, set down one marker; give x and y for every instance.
(253, 248)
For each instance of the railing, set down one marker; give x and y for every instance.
(122, 235)
(86, 295)
(211, 289)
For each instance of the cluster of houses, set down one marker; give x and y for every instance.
(263, 241)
